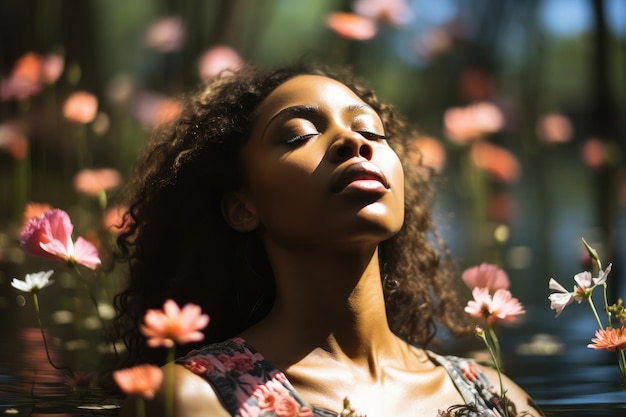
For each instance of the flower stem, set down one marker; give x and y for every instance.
(169, 382)
(141, 406)
(496, 361)
(496, 343)
(621, 363)
(94, 302)
(43, 336)
(595, 313)
(606, 306)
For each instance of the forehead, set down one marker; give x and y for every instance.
(314, 90)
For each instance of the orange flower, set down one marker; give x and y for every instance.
(35, 210)
(141, 380)
(93, 181)
(609, 339)
(173, 325)
(497, 161)
(80, 107)
(594, 153)
(431, 153)
(352, 26)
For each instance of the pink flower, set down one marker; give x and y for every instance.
(502, 306)
(352, 26)
(218, 59)
(609, 339)
(555, 128)
(166, 34)
(393, 12)
(594, 153)
(173, 325)
(116, 219)
(81, 107)
(94, 181)
(486, 275)
(464, 124)
(199, 365)
(141, 380)
(50, 236)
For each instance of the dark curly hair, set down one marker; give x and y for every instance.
(179, 246)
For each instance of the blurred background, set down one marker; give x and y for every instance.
(519, 104)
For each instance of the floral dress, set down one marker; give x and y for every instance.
(250, 386)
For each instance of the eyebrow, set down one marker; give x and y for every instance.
(307, 111)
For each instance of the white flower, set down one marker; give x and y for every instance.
(33, 283)
(559, 300)
(602, 276)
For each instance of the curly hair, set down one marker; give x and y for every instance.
(179, 246)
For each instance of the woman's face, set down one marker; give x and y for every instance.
(319, 170)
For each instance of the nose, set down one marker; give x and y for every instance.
(349, 145)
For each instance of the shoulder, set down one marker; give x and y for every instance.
(524, 404)
(193, 397)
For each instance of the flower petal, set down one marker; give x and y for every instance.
(86, 253)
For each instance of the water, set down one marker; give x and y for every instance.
(572, 381)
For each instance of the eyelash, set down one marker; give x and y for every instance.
(367, 135)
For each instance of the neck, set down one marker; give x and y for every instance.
(331, 301)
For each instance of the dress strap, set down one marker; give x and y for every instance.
(473, 385)
(246, 383)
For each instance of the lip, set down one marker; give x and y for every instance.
(360, 171)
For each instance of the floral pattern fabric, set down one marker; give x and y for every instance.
(250, 386)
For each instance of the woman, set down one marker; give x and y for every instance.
(286, 205)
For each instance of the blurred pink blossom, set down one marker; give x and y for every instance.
(94, 181)
(393, 12)
(594, 153)
(153, 110)
(501, 307)
(464, 124)
(29, 73)
(501, 164)
(352, 26)
(143, 380)
(555, 128)
(174, 325)
(486, 276)
(52, 67)
(116, 219)
(80, 107)
(218, 59)
(501, 207)
(13, 141)
(165, 35)
(431, 153)
(50, 236)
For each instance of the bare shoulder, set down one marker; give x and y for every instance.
(524, 404)
(193, 397)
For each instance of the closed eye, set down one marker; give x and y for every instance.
(300, 138)
(372, 136)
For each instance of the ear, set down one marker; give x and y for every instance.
(239, 212)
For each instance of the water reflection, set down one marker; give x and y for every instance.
(31, 386)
